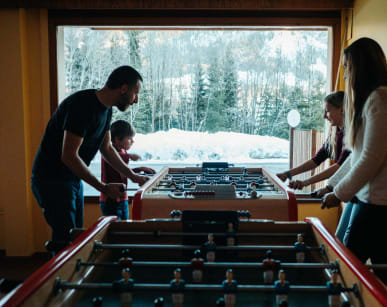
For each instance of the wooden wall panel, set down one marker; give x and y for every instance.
(186, 4)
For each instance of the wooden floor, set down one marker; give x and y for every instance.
(14, 270)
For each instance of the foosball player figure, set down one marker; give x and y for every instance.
(125, 261)
(124, 287)
(281, 287)
(210, 248)
(177, 288)
(269, 265)
(97, 301)
(172, 185)
(334, 290)
(230, 288)
(300, 247)
(234, 184)
(192, 185)
(159, 302)
(230, 234)
(253, 185)
(254, 194)
(197, 264)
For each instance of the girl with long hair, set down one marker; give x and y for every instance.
(366, 134)
(332, 148)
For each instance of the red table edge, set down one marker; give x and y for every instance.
(292, 201)
(137, 198)
(368, 279)
(29, 286)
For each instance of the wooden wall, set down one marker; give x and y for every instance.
(25, 83)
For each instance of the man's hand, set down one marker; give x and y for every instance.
(146, 170)
(282, 176)
(330, 200)
(140, 179)
(115, 190)
(297, 184)
(134, 157)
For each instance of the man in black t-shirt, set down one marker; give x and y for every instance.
(76, 131)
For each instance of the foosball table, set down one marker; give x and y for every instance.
(215, 186)
(204, 258)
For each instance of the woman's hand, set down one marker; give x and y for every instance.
(321, 192)
(282, 176)
(330, 200)
(298, 184)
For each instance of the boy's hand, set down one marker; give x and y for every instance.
(134, 157)
(330, 200)
(115, 190)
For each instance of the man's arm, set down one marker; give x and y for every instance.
(71, 158)
(114, 159)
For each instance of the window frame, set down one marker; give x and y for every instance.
(176, 18)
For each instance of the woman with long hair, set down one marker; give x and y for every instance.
(366, 134)
(332, 148)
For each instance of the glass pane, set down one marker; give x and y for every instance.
(207, 95)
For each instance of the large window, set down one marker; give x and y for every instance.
(208, 94)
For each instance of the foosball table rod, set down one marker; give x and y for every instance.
(256, 265)
(63, 285)
(204, 234)
(100, 245)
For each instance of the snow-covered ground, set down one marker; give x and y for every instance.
(185, 148)
(193, 147)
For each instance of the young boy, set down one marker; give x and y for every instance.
(122, 139)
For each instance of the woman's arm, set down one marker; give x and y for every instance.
(300, 184)
(304, 167)
(373, 149)
(341, 172)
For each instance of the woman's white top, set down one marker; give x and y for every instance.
(367, 176)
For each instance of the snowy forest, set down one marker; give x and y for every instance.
(208, 81)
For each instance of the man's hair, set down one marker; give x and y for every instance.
(123, 75)
(121, 129)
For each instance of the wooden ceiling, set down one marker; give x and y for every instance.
(251, 5)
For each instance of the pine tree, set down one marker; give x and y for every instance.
(200, 98)
(215, 114)
(230, 89)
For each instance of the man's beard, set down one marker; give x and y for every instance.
(124, 103)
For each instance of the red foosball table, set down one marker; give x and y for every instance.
(215, 186)
(86, 272)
